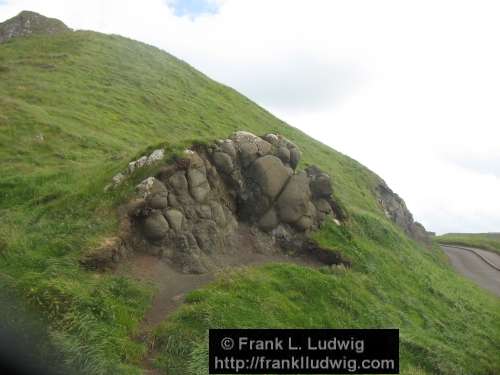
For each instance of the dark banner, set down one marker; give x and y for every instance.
(304, 351)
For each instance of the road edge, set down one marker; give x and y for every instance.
(487, 261)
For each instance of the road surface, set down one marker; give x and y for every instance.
(481, 266)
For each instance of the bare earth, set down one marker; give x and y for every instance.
(472, 266)
(172, 285)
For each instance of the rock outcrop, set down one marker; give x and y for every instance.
(395, 209)
(190, 212)
(30, 23)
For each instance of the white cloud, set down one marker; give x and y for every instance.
(410, 89)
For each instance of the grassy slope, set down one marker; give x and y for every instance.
(101, 100)
(487, 241)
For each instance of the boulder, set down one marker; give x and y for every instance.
(139, 163)
(155, 226)
(323, 206)
(151, 186)
(118, 178)
(155, 156)
(250, 147)
(269, 220)
(294, 157)
(269, 173)
(158, 201)
(223, 162)
(272, 139)
(293, 203)
(227, 146)
(284, 154)
(175, 219)
(248, 153)
(179, 183)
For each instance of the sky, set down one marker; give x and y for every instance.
(411, 89)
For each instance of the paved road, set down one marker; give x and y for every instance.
(472, 266)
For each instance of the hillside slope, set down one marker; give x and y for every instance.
(76, 107)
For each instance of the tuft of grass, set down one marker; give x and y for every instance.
(487, 241)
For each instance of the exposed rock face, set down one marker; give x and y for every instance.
(395, 209)
(30, 23)
(191, 210)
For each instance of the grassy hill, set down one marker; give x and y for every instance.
(487, 241)
(75, 108)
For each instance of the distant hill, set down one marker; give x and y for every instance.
(487, 241)
(77, 107)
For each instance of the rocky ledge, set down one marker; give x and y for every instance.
(29, 23)
(196, 208)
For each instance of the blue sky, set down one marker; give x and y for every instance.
(192, 8)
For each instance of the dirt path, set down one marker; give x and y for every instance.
(172, 286)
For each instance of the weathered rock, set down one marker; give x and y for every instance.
(198, 184)
(272, 139)
(250, 146)
(155, 226)
(395, 210)
(205, 194)
(248, 153)
(207, 236)
(151, 186)
(196, 177)
(227, 146)
(270, 174)
(321, 186)
(30, 23)
(293, 202)
(155, 156)
(179, 183)
(304, 223)
(194, 159)
(218, 214)
(175, 219)
(200, 192)
(204, 211)
(284, 154)
(188, 254)
(294, 157)
(118, 178)
(158, 201)
(269, 220)
(136, 207)
(223, 162)
(323, 206)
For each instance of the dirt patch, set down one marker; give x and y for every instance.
(172, 285)
(248, 248)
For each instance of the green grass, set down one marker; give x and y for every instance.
(487, 241)
(448, 326)
(99, 101)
